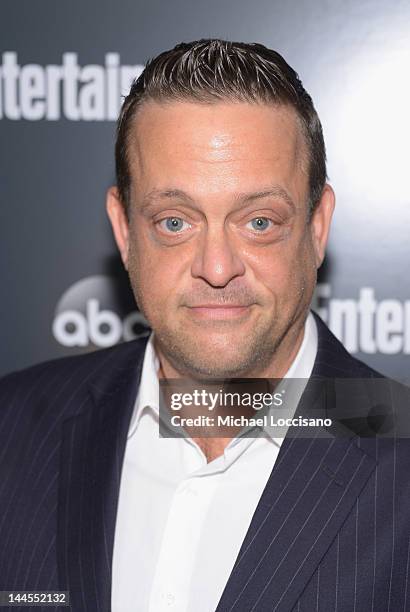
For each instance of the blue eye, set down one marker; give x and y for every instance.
(174, 224)
(260, 223)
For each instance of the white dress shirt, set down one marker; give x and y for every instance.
(181, 521)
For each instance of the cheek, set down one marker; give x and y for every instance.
(155, 273)
(285, 271)
(304, 272)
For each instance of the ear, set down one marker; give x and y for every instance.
(320, 223)
(119, 223)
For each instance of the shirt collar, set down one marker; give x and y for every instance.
(301, 368)
(148, 392)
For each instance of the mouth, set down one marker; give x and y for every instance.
(219, 312)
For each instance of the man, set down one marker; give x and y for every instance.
(221, 214)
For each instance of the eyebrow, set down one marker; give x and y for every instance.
(242, 198)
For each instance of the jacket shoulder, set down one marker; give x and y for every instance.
(59, 379)
(334, 361)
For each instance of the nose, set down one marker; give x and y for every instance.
(216, 261)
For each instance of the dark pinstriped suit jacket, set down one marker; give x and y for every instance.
(331, 531)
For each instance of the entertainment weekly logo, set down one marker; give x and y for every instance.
(89, 315)
(78, 93)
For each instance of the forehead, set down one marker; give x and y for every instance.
(216, 147)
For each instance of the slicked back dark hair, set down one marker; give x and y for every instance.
(212, 70)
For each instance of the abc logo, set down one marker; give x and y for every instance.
(92, 313)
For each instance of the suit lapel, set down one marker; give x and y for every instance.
(312, 488)
(93, 446)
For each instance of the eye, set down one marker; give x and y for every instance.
(260, 224)
(173, 224)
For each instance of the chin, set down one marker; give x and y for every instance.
(215, 352)
(210, 370)
(220, 361)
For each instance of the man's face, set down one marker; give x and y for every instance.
(219, 250)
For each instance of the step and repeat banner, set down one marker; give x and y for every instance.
(64, 67)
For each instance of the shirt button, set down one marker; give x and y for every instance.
(192, 491)
(168, 599)
(188, 489)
